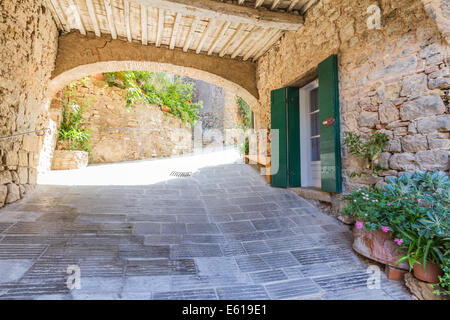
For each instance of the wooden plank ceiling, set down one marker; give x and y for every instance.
(241, 29)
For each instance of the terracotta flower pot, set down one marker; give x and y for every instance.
(378, 246)
(165, 108)
(430, 275)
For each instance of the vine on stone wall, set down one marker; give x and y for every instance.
(368, 148)
(172, 94)
(71, 134)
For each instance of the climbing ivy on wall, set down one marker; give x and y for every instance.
(244, 112)
(71, 134)
(172, 94)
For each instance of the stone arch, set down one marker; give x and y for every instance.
(82, 56)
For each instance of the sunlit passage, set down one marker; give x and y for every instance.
(133, 231)
(141, 172)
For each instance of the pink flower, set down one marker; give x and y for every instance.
(388, 203)
(398, 241)
(385, 229)
(359, 225)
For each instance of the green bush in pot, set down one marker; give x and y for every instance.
(415, 208)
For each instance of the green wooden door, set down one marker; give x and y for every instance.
(293, 133)
(285, 138)
(330, 146)
(278, 143)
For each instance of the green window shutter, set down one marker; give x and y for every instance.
(285, 118)
(278, 144)
(330, 146)
(293, 137)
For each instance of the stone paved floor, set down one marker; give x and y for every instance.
(221, 234)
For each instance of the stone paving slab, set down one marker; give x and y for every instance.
(222, 233)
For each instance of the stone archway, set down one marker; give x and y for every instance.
(80, 56)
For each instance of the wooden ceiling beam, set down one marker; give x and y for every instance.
(258, 3)
(292, 5)
(205, 34)
(144, 25)
(234, 13)
(231, 40)
(216, 40)
(93, 16)
(176, 26)
(76, 15)
(109, 15)
(127, 20)
(159, 32)
(190, 36)
(275, 4)
(238, 48)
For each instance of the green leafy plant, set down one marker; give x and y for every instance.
(414, 208)
(244, 112)
(368, 148)
(244, 147)
(71, 132)
(443, 287)
(171, 94)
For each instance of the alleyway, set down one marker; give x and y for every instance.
(138, 233)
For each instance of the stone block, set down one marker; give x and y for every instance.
(394, 145)
(31, 143)
(5, 177)
(414, 143)
(439, 140)
(414, 86)
(22, 172)
(368, 119)
(23, 158)
(403, 161)
(437, 123)
(432, 160)
(421, 290)
(388, 113)
(3, 193)
(69, 159)
(422, 107)
(13, 193)
(11, 158)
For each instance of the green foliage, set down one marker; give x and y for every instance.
(443, 287)
(244, 147)
(369, 149)
(244, 112)
(155, 88)
(71, 129)
(415, 208)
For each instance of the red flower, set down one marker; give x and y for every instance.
(189, 101)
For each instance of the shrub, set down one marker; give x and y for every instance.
(71, 131)
(155, 88)
(415, 208)
(368, 148)
(244, 112)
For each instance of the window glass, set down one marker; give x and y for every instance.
(315, 149)
(314, 98)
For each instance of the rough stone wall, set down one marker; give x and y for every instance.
(28, 44)
(218, 115)
(118, 134)
(395, 79)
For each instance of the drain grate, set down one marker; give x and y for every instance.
(180, 174)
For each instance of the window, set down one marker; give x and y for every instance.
(314, 124)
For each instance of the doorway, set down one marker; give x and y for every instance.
(310, 135)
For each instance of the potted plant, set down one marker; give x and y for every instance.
(413, 212)
(443, 287)
(426, 245)
(372, 234)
